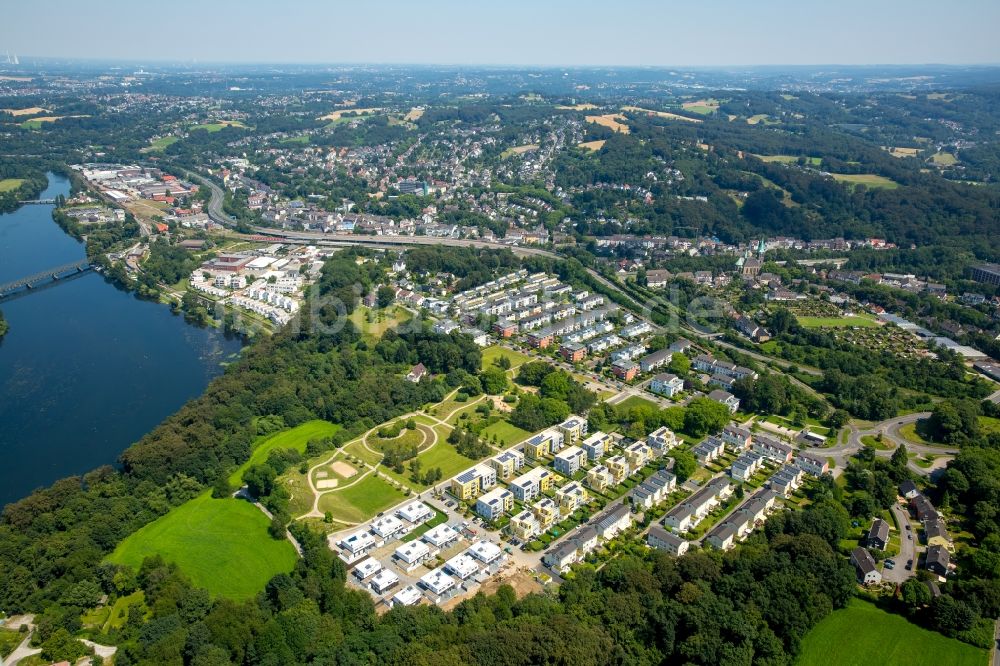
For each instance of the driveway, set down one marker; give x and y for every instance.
(907, 550)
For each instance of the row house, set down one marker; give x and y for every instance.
(737, 438)
(786, 480)
(812, 464)
(714, 366)
(748, 464)
(655, 360)
(691, 511)
(572, 549)
(661, 539)
(741, 522)
(653, 490)
(629, 352)
(708, 450)
(772, 449)
(603, 343)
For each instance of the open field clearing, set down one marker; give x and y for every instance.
(159, 145)
(519, 150)
(789, 159)
(866, 179)
(376, 322)
(943, 159)
(761, 118)
(8, 184)
(506, 433)
(592, 145)
(361, 500)
(612, 121)
(703, 106)
(863, 634)
(21, 79)
(36, 123)
(337, 115)
(660, 114)
(492, 353)
(414, 114)
(217, 126)
(896, 151)
(296, 438)
(220, 544)
(30, 111)
(837, 322)
(578, 107)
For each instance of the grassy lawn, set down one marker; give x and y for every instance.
(379, 321)
(862, 634)
(445, 456)
(296, 438)
(869, 440)
(635, 401)
(302, 139)
(9, 640)
(113, 616)
(406, 438)
(357, 503)
(506, 433)
(159, 145)
(216, 127)
(220, 544)
(491, 353)
(8, 184)
(439, 518)
(837, 322)
(790, 159)
(866, 179)
(358, 450)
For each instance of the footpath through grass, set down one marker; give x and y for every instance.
(862, 634)
(222, 545)
(296, 438)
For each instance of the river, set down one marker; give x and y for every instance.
(86, 368)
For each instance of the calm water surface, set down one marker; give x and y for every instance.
(86, 369)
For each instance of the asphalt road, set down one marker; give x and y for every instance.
(907, 550)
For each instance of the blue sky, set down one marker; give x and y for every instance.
(518, 32)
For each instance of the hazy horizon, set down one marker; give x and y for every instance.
(635, 33)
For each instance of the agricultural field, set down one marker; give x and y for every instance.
(8, 184)
(896, 151)
(296, 438)
(612, 121)
(39, 122)
(217, 126)
(341, 114)
(30, 111)
(519, 150)
(790, 159)
(660, 114)
(704, 107)
(220, 544)
(578, 107)
(863, 634)
(375, 323)
(414, 114)
(592, 145)
(361, 500)
(866, 179)
(761, 118)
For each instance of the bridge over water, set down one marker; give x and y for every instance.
(44, 278)
(38, 202)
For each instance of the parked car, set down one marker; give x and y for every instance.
(907, 527)
(889, 564)
(909, 565)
